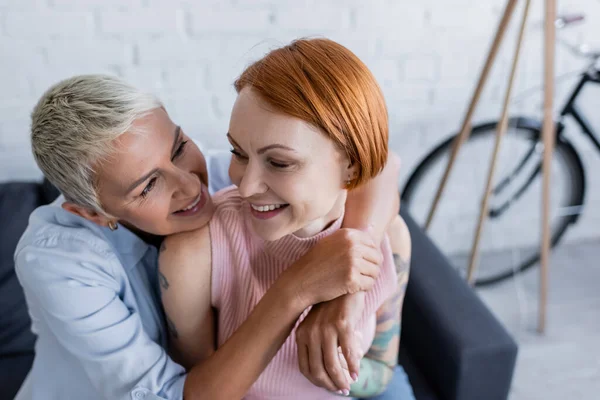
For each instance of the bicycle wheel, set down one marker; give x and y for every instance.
(511, 237)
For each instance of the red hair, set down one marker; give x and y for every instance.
(323, 83)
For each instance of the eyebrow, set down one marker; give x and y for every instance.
(176, 136)
(263, 149)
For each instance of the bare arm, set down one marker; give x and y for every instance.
(377, 202)
(377, 367)
(185, 283)
(229, 371)
(371, 207)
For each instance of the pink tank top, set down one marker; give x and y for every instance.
(244, 266)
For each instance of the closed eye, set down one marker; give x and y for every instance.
(179, 150)
(279, 165)
(238, 155)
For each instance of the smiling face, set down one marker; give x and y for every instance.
(292, 175)
(156, 181)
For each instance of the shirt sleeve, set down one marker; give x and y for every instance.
(78, 299)
(217, 163)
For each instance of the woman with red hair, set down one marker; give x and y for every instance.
(309, 125)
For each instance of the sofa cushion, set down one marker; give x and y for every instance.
(421, 388)
(14, 370)
(17, 201)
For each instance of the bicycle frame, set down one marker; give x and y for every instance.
(592, 75)
(571, 109)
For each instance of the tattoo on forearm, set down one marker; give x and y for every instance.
(172, 329)
(401, 265)
(372, 378)
(383, 353)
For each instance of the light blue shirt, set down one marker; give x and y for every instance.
(94, 302)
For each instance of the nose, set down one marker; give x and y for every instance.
(186, 183)
(252, 182)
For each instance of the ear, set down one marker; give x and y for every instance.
(351, 171)
(86, 213)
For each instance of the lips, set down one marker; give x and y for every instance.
(267, 211)
(266, 207)
(196, 205)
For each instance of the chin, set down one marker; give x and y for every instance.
(269, 235)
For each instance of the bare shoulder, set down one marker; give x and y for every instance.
(400, 238)
(185, 258)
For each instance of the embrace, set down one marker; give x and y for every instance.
(275, 272)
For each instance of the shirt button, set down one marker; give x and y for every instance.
(139, 394)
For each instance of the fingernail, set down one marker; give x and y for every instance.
(339, 392)
(354, 377)
(346, 392)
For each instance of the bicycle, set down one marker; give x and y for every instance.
(518, 185)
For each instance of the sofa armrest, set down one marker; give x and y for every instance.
(461, 348)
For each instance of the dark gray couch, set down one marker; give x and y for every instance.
(452, 347)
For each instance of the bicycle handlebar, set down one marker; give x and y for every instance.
(566, 20)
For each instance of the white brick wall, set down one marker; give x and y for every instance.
(426, 55)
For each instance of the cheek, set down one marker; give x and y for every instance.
(236, 172)
(151, 215)
(194, 161)
(313, 196)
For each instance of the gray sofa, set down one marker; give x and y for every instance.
(452, 347)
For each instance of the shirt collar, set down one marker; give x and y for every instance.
(129, 247)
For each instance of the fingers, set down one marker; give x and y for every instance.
(318, 375)
(351, 355)
(371, 255)
(365, 283)
(368, 269)
(303, 360)
(366, 238)
(354, 237)
(332, 363)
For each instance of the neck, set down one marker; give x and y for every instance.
(153, 240)
(320, 224)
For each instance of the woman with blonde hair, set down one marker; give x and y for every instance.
(308, 128)
(130, 176)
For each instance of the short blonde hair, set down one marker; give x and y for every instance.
(73, 128)
(323, 83)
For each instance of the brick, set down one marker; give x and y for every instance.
(249, 47)
(319, 18)
(194, 112)
(15, 133)
(23, 4)
(149, 78)
(20, 54)
(421, 67)
(141, 22)
(190, 79)
(237, 52)
(407, 93)
(362, 44)
(387, 72)
(97, 4)
(392, 19)
(15, 82)
(44, 78)
(18, 165)
(46, 24)
(457, 67)
(477, 17)
(184, 3)
(401, 45)
(97, 52)
(167, 51)
(230, 21)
